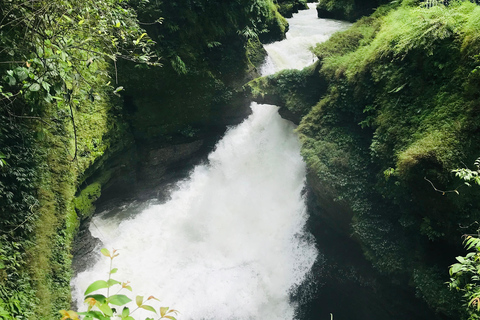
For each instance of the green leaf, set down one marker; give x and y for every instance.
(163, 311)
(125, 312)
(46, 86)
(105, 308)
(149, 308)
(139, 300)
(94, 314)
(139, 38)
(104, 251)
(119, 299)
(170, 317)
(21, 74)
(114, 270)
(455, 268)
(11, 80)
(112, 282)
(118, 89)
(34, 87)
(97, 285)
(98, 297)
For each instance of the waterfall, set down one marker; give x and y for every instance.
(230, 243)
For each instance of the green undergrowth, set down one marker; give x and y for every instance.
(398, 113)
(208, 52)
(295, 90)
(286, 7)
(59, 118)
(350, 10)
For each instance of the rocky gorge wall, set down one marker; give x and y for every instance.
(396, 112)
(59, 160)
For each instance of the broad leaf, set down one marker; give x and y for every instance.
(98, 297)
(105, 308)
(34, 87)
(139, 300)
(163, 311)
(112, 282)
(455, 268)
(105, 252)
(97, 285)
(94, 314)
(125, 312)
(149, 308)
(119, 299)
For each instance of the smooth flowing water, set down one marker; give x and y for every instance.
(230, 243)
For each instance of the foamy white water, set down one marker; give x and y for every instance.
(305, 30)
(230, 244)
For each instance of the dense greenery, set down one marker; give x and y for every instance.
(57, 118)
(64, 65)
(350, 10)
(399, 113)
(465, 277)
(208, 51)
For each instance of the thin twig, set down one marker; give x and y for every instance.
(442, 191)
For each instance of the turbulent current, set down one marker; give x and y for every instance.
(230, 243)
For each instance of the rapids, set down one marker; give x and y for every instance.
(231, 241)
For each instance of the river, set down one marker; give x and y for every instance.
(231, 241)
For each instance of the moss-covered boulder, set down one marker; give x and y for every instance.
(350, 10)
(294, 91)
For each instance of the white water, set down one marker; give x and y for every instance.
(305, 31)
(230, 243)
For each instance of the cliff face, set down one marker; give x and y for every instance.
(398, 111)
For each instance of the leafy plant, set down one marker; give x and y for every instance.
(101, 306)
(469, 175)
(465, 276)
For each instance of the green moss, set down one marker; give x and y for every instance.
(349, 10)
(255, 52)
(398, 93)
(296, 90)
(84, 201)
(287, 7)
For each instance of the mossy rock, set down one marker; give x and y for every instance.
(84, 202)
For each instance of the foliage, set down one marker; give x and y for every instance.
(84, 201)
(63, 66)
(296, 90)
(400, 103)
(103, 307)
(349, 10)
(56, 119)
(465, 276)
(469, 175)
(206, 51)
(51, 50)
(287, 7)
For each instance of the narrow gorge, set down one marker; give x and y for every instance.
(234, 231)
